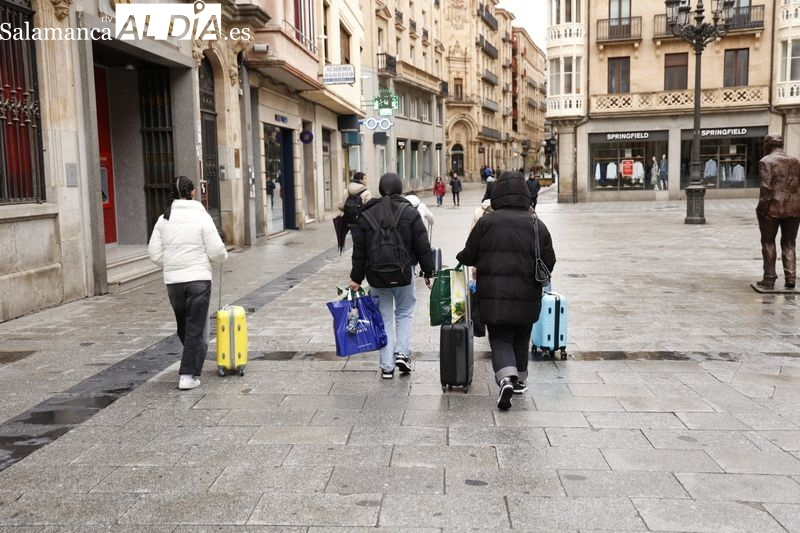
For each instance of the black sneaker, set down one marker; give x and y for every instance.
(402, 363)
(387, 374)
(520, 387)
(506, 392)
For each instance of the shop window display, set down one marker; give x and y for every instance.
(626, 161)
(725, 162)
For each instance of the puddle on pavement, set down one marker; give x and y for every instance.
(10, 357)
(657, 355)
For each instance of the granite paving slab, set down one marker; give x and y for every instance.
(596, 438)
(700, 516)
(741, 487)
(547, 457)
(317, 509)
(539, 419)
(496, 436)
(395, 481)
(712, 421)
(400, 435)
(235, 455)
(41, 508)
(338, 455)
(462, 511)
(627, 484)
(698, 439)
(788, 515)
(659, 460)
(300, 435)
(190, 509)
(445, 456)
(754, 461)
(786, 440)
(634, 420)
(521, 480)
(259, 479)
(567, 514)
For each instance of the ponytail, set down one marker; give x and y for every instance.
(181, 189)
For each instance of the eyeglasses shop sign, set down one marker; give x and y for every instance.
(338, 74)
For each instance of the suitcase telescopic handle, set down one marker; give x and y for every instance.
(219, 302)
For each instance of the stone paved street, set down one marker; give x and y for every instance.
(678, 408)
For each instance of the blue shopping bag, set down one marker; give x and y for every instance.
(364, 334)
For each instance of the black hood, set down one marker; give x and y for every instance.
(511, 191)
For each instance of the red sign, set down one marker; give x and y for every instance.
(626, 169)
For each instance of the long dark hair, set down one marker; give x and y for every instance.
(182, 188)
(390, 185)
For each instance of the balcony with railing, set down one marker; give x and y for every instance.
(490, 77)
(667, 102)
(490, 104)
(532, 103)
(398, 19)
(459, 100)
(619, 30)
(787, 93)
(491, 133)
(788, 16)
(425, 35)
(570, 34)
(290, 56)
(387, 65)
(444, 89)
(744, 20)
(411, 74)
(412, 27)
(487, 47)
(567, 105)
(487, 17)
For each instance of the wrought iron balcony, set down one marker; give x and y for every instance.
(619, 29)
(487, 17)
(443, 88)
(491, 105)
(490, 77)
(387, 64)
(487, 47)
(491, 133)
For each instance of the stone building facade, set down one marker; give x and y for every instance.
(621, 96)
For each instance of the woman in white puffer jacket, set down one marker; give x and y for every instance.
(184, 243)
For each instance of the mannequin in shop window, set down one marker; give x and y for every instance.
(778, 208)
(663, 172)
(654, 172)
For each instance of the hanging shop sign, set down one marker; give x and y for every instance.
(306, 136)
(338, 74)
(376, 123)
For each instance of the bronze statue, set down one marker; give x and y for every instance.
(778, 208)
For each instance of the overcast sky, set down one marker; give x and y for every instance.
(531, 15)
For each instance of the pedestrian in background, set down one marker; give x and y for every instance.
(503, 248)
(357, 197)
(533, 187)
(455, 188)
(396, 302)
(184, 243)
(439, 190)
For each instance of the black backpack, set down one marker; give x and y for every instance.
(388, 261)
(352, 209)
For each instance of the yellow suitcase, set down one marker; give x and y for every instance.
(231, 340)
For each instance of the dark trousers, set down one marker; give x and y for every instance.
(510, 345)
(190, 303)
(769, 231)
(456, 197)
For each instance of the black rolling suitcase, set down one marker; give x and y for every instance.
(456, 355)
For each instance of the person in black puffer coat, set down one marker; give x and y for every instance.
(502, 247)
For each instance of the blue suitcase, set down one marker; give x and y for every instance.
(549, 333)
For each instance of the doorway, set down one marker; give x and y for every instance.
(106, 160)
(208, 133)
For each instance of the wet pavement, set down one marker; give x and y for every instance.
(676, 410)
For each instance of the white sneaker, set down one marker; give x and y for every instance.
(187, 381)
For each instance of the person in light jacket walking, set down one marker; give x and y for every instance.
(503, 248)
(184, 243)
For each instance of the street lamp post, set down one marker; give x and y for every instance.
(698, 35)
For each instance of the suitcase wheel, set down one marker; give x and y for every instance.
(221, 371)
(241, 371)
(466, 389)
(563, 354)
(444, 388)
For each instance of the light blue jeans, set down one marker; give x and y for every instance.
(397, 310)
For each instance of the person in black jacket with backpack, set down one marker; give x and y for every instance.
(502, 247)
(392, 240)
